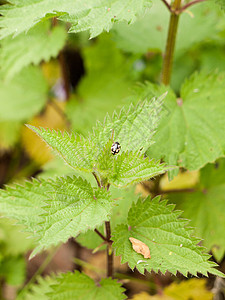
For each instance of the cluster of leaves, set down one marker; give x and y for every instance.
(189, 135)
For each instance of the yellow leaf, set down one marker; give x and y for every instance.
(140, 247)
(194, 289)
(146, 296)
(184, 180)
(34, 146)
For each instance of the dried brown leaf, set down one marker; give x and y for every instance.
(140, 247)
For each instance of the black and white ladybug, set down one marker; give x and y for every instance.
(115, 148)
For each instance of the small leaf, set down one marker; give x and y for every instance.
(128, 168)
(140, 247)
(172, 247)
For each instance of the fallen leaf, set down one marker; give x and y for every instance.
(140, 247)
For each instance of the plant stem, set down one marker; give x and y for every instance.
(190, 4)
(97, 180)
(109, 250)
(101, 235)
(167, 4)
(170, 44)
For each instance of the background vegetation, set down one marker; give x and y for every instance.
(66, 81)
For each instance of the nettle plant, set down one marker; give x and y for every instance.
(188, 132)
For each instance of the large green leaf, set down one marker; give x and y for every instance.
(191, 134)
(73, 207)
(23, 96)
(205, 207)
(76, 285)
(150, 32)
(171, 246)
(55, 210)
(37, 45)
(95, 16)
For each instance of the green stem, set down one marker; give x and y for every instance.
(170, 44)
(109, 250)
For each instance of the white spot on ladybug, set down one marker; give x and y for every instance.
(115, 148)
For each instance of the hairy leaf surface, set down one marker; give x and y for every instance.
(37, 45)
(25, 203)
(133, 128)
(73, 207)
(76, 151)
(93, 15)
(55, 210)
(172, 248)
(129, 168)
(76, 285)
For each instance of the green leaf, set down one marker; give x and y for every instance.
(133, 129)
(55, 210)
(24, 203)
(37, 45)
(79, 286)
(150, 32)
(76, 285)
(190, 135)
(40, 290)
(94, 16)
(123, 200)
(171, 246)
(128, 168)
(73, 207)
(205, 207)
(76, 151)
(23, 96)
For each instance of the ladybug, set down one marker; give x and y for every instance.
(115, 148)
